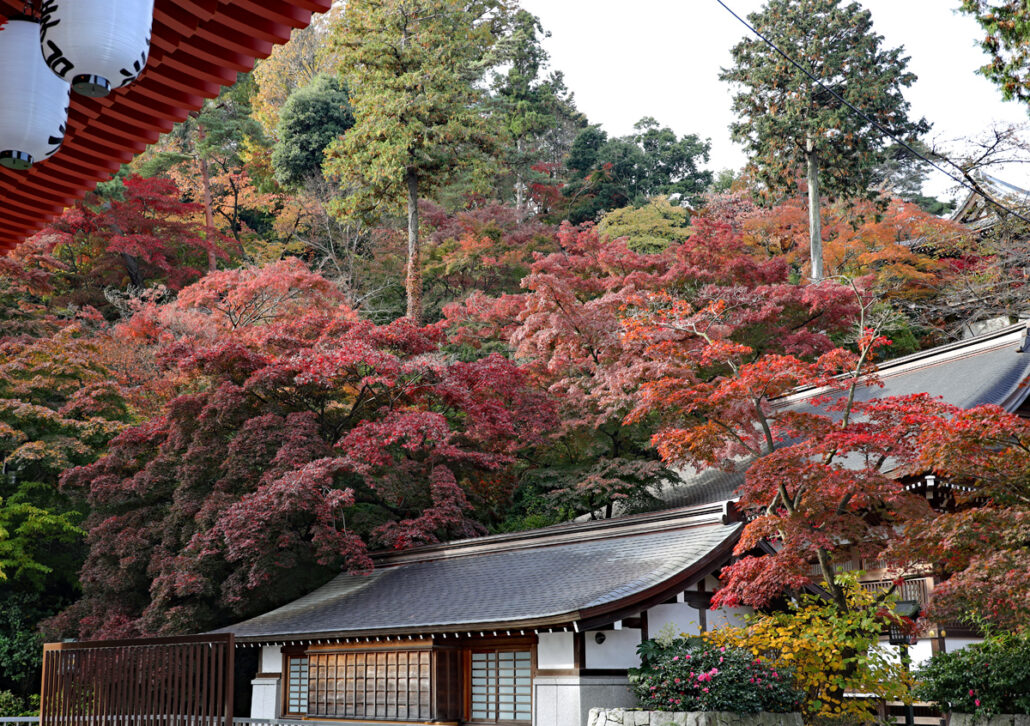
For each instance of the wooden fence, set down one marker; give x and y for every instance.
(180, 681)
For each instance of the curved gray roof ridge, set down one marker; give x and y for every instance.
(981, 370)
(559, 581)
(542, 536)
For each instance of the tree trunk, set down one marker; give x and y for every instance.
(132, 268)
(209, 217)
(414, 278)
(520, 195)
(520, 184)
(815, 222)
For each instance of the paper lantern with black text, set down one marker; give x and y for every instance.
(96, 45)
(33, 101)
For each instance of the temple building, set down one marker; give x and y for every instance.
(538, 627)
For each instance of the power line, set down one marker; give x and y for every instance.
(873, 122)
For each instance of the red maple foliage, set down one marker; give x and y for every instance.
(146, 234)
(23, 311)
(830, 468)
(568, 329)
(980, 547)
(309, 437)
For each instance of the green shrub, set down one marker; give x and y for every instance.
(984, 679)
(694, 675)
(14, 705)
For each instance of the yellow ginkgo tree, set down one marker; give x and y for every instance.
(832, 652)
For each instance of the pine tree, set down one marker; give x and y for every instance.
(311, 119)
(412, 67)
(793, 127)
(1007, 24)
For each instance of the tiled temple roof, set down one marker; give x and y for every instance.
(586, 573)
(566, 575)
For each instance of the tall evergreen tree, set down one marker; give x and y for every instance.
(413, 68)
(311, 119)
(1007, 24)
(607, 174)
(536, 107)
(793, 127)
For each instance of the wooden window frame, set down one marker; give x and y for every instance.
(284, 707)
(372, 689)
(487, 647)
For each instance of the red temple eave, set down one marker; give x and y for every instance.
(197, 46)
(198, 73)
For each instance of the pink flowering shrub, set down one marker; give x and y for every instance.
(693, 675)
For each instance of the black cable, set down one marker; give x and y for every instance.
(873, 122)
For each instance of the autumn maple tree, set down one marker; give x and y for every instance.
(23, 291)
(60, 405)
(829, 467)
(218, 387)
(139, 234)
(487, 249)
(980, 548)
(926, 273)
(567, 328)
(309, 437)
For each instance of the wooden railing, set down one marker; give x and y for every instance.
(917, 589)
(180, 681)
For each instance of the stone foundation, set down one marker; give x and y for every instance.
(1003, 719)
(627, 717)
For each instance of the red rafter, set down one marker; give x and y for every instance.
(197, 47)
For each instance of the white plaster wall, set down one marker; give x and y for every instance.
(919, 653)
(952, 644)
(685, 618)
(556, 700)
(271, 659)
(567, 700)
(555, 651)
(265, 700)
(722, 617)
(619, 649)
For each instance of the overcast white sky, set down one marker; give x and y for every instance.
(624, 60)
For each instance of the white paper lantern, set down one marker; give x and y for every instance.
(97, 45)
(33, 101)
